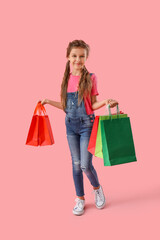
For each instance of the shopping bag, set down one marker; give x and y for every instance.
(117, 141)
(93, 136)
(40, 132)
(32, 138)
(98, 148)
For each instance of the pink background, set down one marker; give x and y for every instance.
(36, 185)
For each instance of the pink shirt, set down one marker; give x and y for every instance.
(73, 87)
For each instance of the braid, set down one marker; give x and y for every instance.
(64, 84)
(85, 85)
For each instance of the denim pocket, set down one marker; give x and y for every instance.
(67, 119)
(88, 122)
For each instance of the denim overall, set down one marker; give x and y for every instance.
(78, 129)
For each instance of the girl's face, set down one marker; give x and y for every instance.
(77, 58)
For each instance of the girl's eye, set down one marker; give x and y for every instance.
(75, 56)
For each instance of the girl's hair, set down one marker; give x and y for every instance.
(85, 83)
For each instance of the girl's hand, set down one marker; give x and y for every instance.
(111, 102)
(44, 101)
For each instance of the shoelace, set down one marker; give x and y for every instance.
(98, 195)
(79, 202)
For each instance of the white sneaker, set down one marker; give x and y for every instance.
(79, 207)
(99, 198)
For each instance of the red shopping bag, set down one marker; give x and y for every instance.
(93, 137)
(40, 132)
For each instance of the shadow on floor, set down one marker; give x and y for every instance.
(147, 195)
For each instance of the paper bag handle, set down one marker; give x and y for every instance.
(40, 109)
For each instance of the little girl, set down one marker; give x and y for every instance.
(78, 101)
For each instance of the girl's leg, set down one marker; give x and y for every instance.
(86, 160)
(74, 145)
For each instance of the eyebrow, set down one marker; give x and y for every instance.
(75, 54)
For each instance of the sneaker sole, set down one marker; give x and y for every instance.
(78, 213)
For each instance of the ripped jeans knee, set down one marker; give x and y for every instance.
(77, 166)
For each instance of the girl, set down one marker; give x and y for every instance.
(78, 101)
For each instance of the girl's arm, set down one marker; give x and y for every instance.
(96, 105)
(53, 103)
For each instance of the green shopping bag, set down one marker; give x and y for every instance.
(117, 141)
(98, 148)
